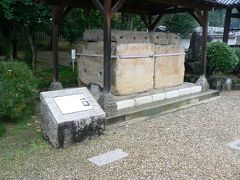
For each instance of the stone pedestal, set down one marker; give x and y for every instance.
(202, 81)
(55, 86)
(70, 116)
(108, 103)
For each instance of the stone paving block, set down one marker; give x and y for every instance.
(196, 89)
(159, 97)
(125, 104)
(185, 91)
(65, 124)
(172, 94)
(143, 100)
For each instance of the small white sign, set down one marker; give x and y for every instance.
(73, 54)
(108, 157)
(73, 103)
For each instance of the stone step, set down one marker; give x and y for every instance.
(138, 101)
(161, 106)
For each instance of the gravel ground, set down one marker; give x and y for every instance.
(187, 144)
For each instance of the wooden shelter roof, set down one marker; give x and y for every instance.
(151, 7)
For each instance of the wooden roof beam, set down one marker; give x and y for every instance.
(148, 23)
(198, 16)
(174, 10)
(185, 3)
(235, 15)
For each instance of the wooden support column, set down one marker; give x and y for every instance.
(106, 100)
(108, 12)
(202, 19)
(227, 25)
(204, 43)
(107, 46)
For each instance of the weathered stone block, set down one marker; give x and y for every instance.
(174, 39)
(159, 38)
(95, 48)
(132, 76)
(169, 70)
(118, 36)
(90, 70)
(81, 119)
(162, 38)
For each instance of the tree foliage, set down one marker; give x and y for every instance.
(179, 23)
(216, 18)
(25, 16)
(75, 23)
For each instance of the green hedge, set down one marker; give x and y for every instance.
(221, 57)
(17, 88)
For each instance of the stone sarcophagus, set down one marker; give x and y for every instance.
(141, 61)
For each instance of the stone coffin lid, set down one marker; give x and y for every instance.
(161, 38)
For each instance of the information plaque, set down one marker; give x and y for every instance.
(72, 103)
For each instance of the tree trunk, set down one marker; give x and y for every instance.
(31, 37)
(130, 22)
(11, 45)
(50, 43)
(14, 46)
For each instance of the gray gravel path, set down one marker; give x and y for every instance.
(187, 144)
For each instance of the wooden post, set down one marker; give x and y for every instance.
(227, 24)
(55, 28)
(204, 43)
(107, 13)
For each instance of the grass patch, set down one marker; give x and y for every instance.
(67, 76)
(21, 139)
(2, 129)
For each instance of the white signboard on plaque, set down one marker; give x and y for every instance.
(72, 103)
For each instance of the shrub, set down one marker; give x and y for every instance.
(221, 57)
(17, 87)
(237, 51)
